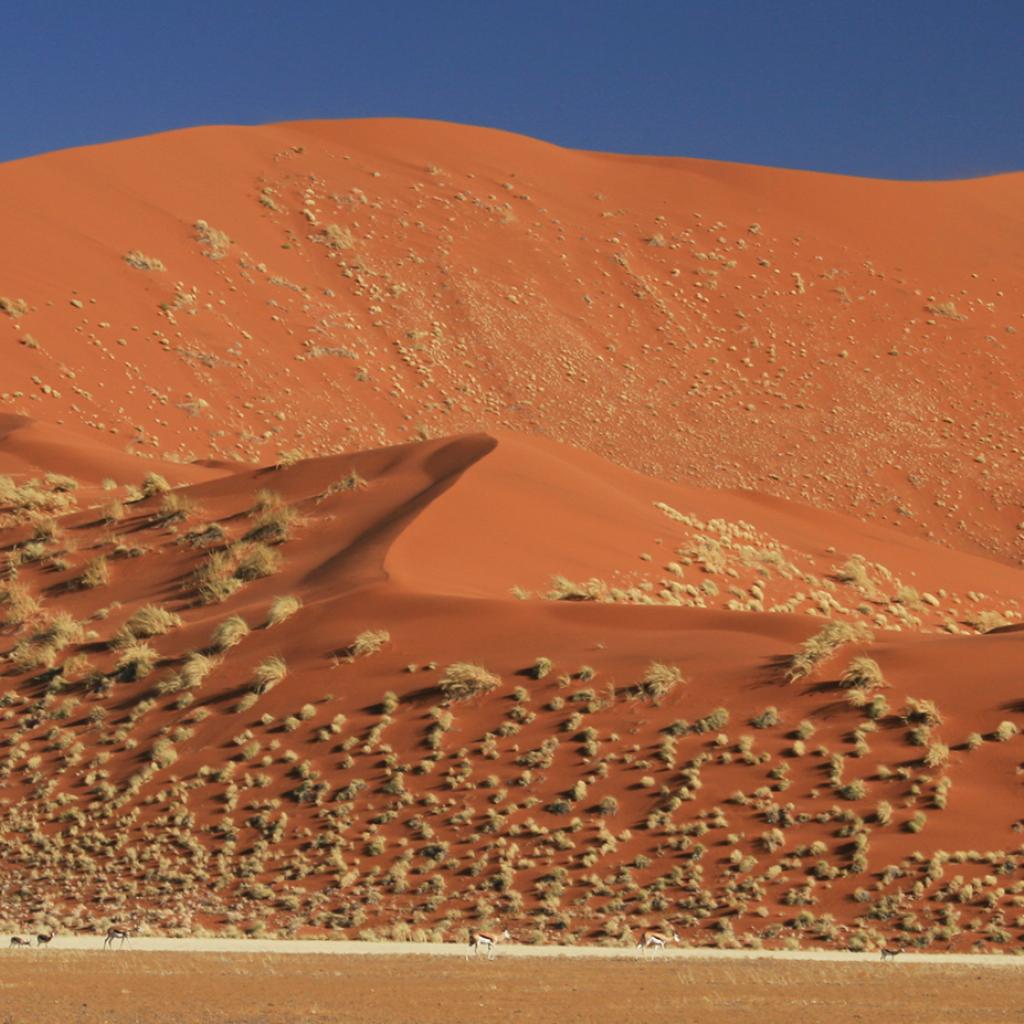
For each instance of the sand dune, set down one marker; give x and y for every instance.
(426, 527)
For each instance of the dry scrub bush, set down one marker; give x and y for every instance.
(136, 661)
(175, 507)
(140, 261)
(153, 484)
(268, 673)
(150, 620)
(462, 681)
(822, 646)
(196, 668)
(223, 572)
(282, 608)
(863, 673)
(659, 680)
(563, 589)
(351, 482)
(229, 633)
(17, 605)
(215, 242)
(95, 574)
(370, 641)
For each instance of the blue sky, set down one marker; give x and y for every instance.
(896, 89)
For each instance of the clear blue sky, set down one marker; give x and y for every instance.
(901, 88)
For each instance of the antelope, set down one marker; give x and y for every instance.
(890, 954)
(113, 934)
(656, 941)
(44, 940)
(17, 940)
(487, 940)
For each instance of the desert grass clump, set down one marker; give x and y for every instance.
(150, 620)
(136, 661)
(268, 673)
(461, 681)
(272, 519)
(540, 668)
(175, 507)
(254, 561)
(231, 632)
(822, 646)
(140, 261)
(352, 481)
(282, 608)
(659, 681)
(17, 605)
(153, 484)
(563, 589)
(863, 673)
(96, 573)
(370, 641)
(1005, 731)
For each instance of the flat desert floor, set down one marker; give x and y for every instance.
(139, 987)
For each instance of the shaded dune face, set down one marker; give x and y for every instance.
(229, 293)
(411, 528)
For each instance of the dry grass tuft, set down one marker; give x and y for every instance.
(282, 608)
(462, 681)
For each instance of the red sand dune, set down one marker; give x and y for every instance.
(724, 330)
(845, 342)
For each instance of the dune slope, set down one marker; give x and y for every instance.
(231, 293)
(510, 682)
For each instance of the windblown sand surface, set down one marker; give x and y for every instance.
(722, 530)
(144, 988)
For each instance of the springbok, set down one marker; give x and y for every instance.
(486, 940)
(113, 934)
(890, 954)
(17, 940)
(655, 941)
(44, 940)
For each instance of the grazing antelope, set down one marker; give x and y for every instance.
(486, 940)
(17, 940)
(44, 940)
(113, 934)
(656, 941)
(890, 954)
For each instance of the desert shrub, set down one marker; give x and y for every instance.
(563, 589)
(17, 605)
(370, 641)
(175, 507)
(136, 661)
(153, 484)
(936, 755)
(659, 680)
(462, 681)
(196, 668)
(140, 261)
(229, 633)
(822, 646)
(282, 608)
(150, 620)
(766, 719)
(922, 711)
(254, 561)
(268, 673)
(272, 519)
(163, 754)
(863, 673)
(95, 574)
(712, 722)
(352, 481)
(540, 668)
(917, 822)
(1005, 731)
